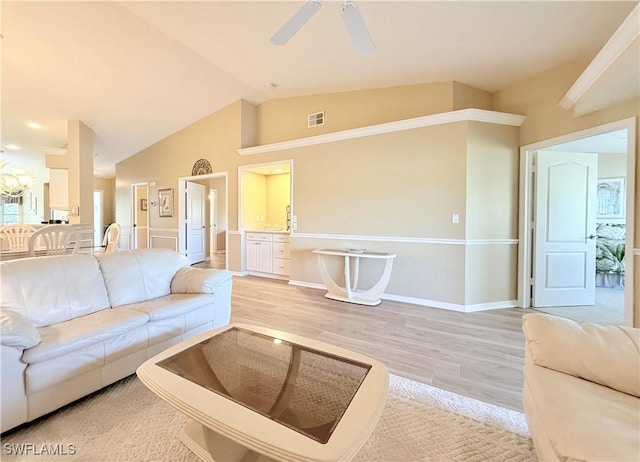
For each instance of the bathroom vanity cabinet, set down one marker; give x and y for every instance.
(268, 253)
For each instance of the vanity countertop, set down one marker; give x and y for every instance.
(269, 231)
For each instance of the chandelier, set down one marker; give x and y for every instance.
(13, 184)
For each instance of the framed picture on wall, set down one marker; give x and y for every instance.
(611, 202)
(143, 205)
(165, 202)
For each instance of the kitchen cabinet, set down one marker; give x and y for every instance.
(268, 254)
(59, 189)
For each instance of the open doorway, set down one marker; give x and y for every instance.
(265, 201)
(213, 221)
(606, 236)
(98, 222)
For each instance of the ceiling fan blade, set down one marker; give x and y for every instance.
(296, 22)
(357, 28)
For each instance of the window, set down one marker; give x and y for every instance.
(10, 210)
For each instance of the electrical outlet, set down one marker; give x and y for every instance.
(455, 218)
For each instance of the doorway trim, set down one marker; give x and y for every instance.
(182, 239)
(526, 212)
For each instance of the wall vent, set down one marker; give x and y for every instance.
(315, 119)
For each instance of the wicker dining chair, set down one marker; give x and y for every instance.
(54, 240)
(17, 236)
(110, 240)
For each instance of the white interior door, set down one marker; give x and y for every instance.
(564, 229)
(195, 222)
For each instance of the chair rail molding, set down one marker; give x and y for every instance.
(412, 240)
(462, 115)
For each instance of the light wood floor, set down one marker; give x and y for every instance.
(474, 354)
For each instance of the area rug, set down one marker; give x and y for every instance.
(126, 422)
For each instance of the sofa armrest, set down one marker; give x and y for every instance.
(16, 331)
(188, 280)
(607, 355)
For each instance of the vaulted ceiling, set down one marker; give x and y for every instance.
(135, 72)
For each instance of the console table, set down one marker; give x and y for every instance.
(350, 292)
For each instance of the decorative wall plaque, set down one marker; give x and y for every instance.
(201, 167)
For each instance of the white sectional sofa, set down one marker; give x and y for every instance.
(73, 324)
(582, 390)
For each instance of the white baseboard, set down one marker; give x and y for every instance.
(426, 302)
(268, 275)
(311, 285)
(262, 275)
(492, 306)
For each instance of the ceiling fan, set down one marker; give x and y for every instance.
(350, 15)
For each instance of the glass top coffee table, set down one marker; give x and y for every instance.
(256, 394)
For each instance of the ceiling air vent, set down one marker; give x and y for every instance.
(316, 119)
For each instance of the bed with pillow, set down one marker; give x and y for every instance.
(610, 250)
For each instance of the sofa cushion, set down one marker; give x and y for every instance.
(16, 331)
(65, 337)
(48, 290)
(134, 276)
(583, 420)
(608, 355)
(190, 280)
(170, 306)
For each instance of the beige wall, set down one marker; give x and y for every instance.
(248, 124)
(278, 196)
(490, 273)
(253, 187)
(403, 184)
(464, 96)
(491, 265)
(219, 184)
(78, 160)
(286, 118)
(612, 165)
(492, 181)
